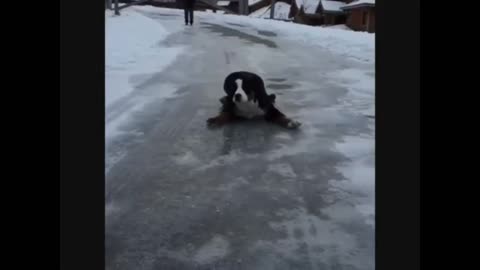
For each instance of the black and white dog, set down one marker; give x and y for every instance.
(247, 98)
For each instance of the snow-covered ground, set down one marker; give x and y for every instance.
(351, 44)
(181, 197)
(337, 26)
(132, 46)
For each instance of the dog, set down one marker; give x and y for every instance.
(246, 99)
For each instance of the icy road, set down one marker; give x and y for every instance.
(249, 195)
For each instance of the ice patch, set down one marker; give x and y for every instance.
(228, 159)
(187, 158)
(116, 126)
(283, 136)
(359, 172)
(217, 248)
(361, 90)
(110, 208)
(322, 240)
(283, 169)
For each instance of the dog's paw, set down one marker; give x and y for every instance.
(293, 124)
(215, 122)
(212, 121)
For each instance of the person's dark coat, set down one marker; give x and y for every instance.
(189, 4)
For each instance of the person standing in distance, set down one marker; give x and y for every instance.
(188, 8)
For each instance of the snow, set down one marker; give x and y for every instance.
(356, 45)
(218, 11)
(122, 49)
(332, 5)
(132, 47)
(359, 2)
(281, 11)
(338, 26)
(310, 6)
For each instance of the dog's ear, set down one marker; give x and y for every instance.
(223, 99)
(272, 98)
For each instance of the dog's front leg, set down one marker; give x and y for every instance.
(220, 120)
(275, 116)
(286, 122)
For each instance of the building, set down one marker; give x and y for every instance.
(361, 15)
(305, 12)
(332, 12)
(318, 12)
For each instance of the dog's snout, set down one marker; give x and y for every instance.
(238, 97)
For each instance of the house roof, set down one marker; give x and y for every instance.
(332, 6)
(281, 11)
(309, 6)
(359, 3)
(223, 3)
(252, 2)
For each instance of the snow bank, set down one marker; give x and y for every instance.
(129, 40)
(356, 45)
(338, 26)
(132, 47)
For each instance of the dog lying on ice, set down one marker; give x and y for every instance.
(247, 98)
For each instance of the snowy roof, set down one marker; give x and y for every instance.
(281, 11)
(223, 3)
(359, 3)
(251, 2)
(332, 6)
(309, 6)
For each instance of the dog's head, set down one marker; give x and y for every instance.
(243, 95)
